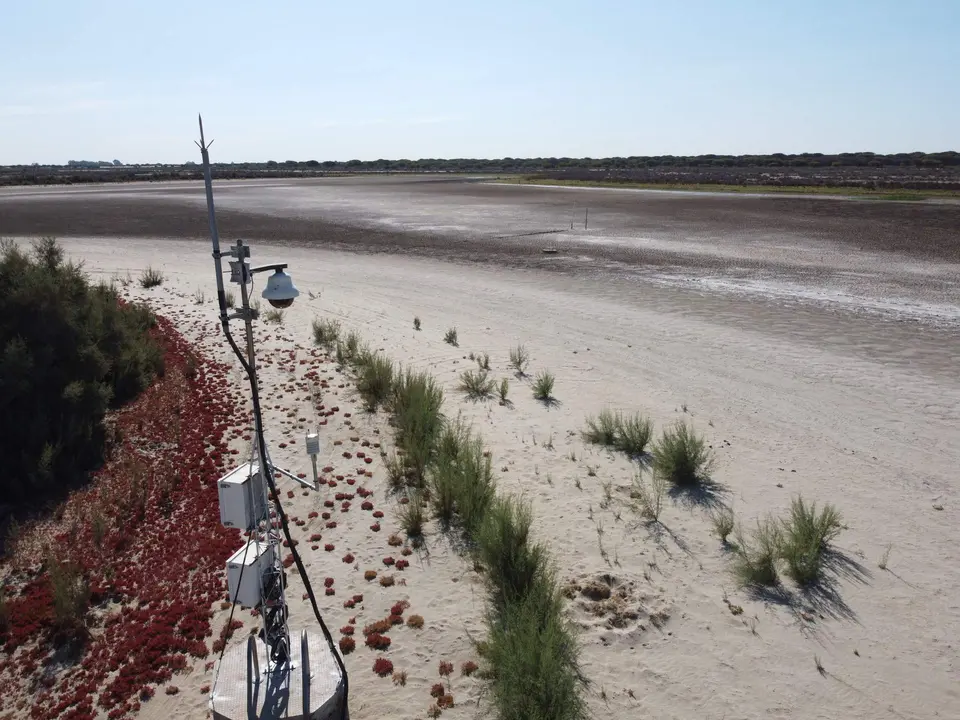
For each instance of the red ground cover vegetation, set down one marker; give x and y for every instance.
(146, 536)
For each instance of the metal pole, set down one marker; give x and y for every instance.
(278, 642)
(275, 629)
(212, 219)
(586, 214)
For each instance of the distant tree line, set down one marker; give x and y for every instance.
(917, 164)
(69, 351)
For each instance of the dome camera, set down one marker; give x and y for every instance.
(280, 291)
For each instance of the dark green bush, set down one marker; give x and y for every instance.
(69, 351)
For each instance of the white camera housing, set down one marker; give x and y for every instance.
(280, 291)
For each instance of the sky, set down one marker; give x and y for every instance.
(368, 79)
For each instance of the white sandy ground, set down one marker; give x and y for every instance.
(879, 442)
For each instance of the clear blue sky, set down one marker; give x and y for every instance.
(368, 79)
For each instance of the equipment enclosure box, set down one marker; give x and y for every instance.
(246, 591)
(241, 492)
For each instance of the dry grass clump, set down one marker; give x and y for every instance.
(723, 522)
(150, 278)
(649, 497)
(682, 456)
(274, 315)
(415, 621)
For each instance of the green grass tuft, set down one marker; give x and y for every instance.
(682, 456)
(601, 430)
(504, 547)
(375, 380)
(806, 536)
(273, 315)
(503, 390)
(723, 522)
(325, 332)
(755, 560)
(519, 359)
(633, 434)
(413, 517)
(477, 384)
(418, 418)
(451, 337)
(543, 386)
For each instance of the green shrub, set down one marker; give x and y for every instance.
(71, 594)
(532, 659)
(375, 381)
(476, 488)
(682, 456)
(483, 361)
(649, 498)
(396, 472)
(503, 390)
(543, 386)
(755, 560)
(412, 517)
(519, 359)
(451, 337)
(150, 278)
(418, 419)
(513, 562)
(633, 434)
(351, 345)
(325, 332)
(601, 430)
(416, 323)
(476, 384)
(806, 537)
(69, 350)
(723, 522)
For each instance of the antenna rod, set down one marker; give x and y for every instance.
(212, 218)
